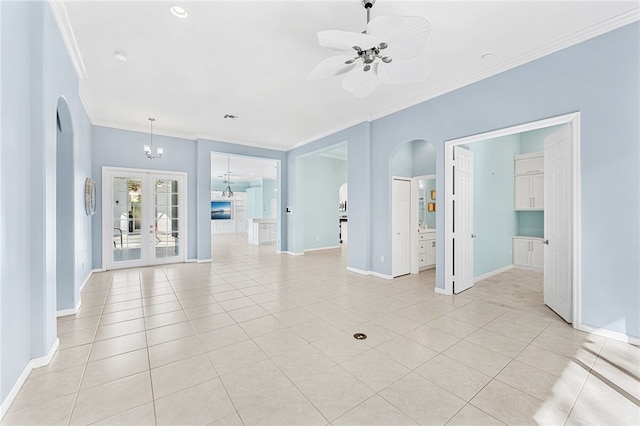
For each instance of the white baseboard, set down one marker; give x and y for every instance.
(203, 260)
(322, 248)
(191, 261)
(375, 274)
(70, 311)
(290, 253)
(609, 334)
(86, 280)
(76, 309)
(439, 290)
(492, 273)
(34, 363)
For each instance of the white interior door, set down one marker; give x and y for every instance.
(463, 220)
(558, 279)
(143, 218)
(401, 227)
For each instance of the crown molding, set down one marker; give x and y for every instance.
(553, 47)
(329, 132)
(62, 19)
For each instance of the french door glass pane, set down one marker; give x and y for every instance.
(166, 218)
(127, 219)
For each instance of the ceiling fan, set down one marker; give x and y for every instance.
(390, 50)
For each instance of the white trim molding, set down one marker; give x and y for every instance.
(322, 248)
(290, 253)
(70, 311)
(34, 363)
(375, 274)
(609, 334)
(64, 25)
(492, 273)
(439, 290)
(572, 119)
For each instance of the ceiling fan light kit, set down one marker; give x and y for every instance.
(390, 51)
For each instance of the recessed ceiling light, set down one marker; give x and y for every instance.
(121, 55)
(179, 12)
(487, 56)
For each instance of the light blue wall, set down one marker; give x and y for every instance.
(600, 79)
(533, 141)
(321, 178)
(415, 158)
(402, 161)
(123, 148)
(494, 218)
(358, 199)
(530, 224)
(269, 193)
(35, 73)
(424, 158)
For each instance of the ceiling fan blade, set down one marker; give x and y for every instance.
(405, 35)
(361, 83)
(345, 40)
(331, 67)
(404, 71)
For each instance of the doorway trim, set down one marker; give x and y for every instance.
(573, 119)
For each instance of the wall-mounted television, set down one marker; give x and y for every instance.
(220, 210)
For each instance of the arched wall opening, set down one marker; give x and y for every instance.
(65, 202)
(413, 208)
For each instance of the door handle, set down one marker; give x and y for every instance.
(546, 242)
(473, 235)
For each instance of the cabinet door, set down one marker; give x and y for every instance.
(263, 233)
(537, 191)
(529, 165)
(537, 254)
(431, 252)
(521, 252)
(523, 193)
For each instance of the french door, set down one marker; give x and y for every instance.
(143, 217)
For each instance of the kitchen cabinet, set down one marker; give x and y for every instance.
(262, 231)
(529, 181)
(528, 252)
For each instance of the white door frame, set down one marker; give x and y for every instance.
(106, 209)
(415, 218)
(573, 119)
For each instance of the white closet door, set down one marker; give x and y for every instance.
(463, 220)
(401, 227)
(558, 276)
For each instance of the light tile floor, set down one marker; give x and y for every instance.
(261, 338)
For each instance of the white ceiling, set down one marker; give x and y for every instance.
(250, 59)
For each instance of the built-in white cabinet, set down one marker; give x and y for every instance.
(528, 252)
(238, 222)
(426, 249)
(262, 231)
(240, 211)
(529, 181)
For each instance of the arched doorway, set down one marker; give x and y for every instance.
(65, 209)
(413, 202)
